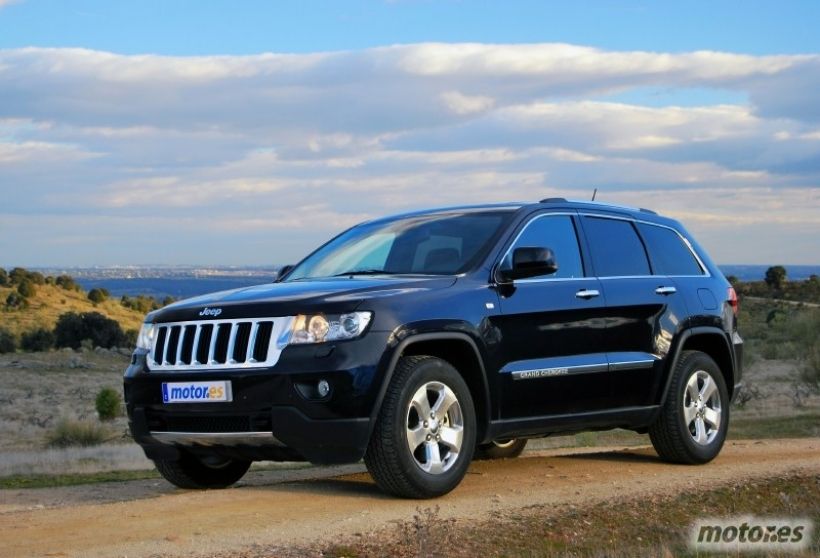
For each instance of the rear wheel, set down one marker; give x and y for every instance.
(424, 437)
(191, 471)
(501, 449)
(692, 425)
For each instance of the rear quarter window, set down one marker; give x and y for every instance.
(669, 253)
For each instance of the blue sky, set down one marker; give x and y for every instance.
(124, 126)
(189, 27)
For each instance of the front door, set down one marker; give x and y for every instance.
(552, 330)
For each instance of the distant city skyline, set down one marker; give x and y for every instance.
(209, 133)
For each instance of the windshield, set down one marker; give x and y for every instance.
(439, 244)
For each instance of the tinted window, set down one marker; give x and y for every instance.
(557, 233)
(670, 255)
(616, 249)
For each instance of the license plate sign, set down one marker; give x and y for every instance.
(196, 392)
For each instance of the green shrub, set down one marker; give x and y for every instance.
(27, 289)
(8, 343)
(108, 404)
(97, 295)
(67, 282)
(37, 340)
(4, 278)
(73, 328)
(15, 302)
(69, 432)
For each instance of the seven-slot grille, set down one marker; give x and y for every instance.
(217, 344)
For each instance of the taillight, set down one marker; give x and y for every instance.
(733, 300)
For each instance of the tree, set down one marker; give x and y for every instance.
(97, 295)
(67, 282)
(15, 301)
(18, 275)
(37, 340)
(776, 276)
(26, 289)
(4, 278)
(72, 329)
(8, 344)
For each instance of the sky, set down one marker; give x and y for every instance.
(247, 133)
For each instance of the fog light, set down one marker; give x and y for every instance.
(323, 388)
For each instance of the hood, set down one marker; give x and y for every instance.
(330, 295)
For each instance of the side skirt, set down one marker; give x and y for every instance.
(627, 417)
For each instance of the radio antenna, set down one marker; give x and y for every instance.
(594, 193)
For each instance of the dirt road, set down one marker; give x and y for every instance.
(145, 518)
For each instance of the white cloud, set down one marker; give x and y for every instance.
(310, 143)
(466, 104)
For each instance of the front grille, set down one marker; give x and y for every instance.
(162, 422)
(217, 344)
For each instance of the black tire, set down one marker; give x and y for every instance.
(395, 468)
(672, 435)
(191, 471)
(501, 449)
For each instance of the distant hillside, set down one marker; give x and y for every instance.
(50, 301)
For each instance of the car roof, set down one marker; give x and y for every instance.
(596, 206)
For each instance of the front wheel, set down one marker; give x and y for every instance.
(191, 471)
(424, 437)
(692, 425)
(501, 449)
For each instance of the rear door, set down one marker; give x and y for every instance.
(552, 329)
(643, 309)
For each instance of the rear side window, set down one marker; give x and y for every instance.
(557, 233)
(615, 247)
(670, 254)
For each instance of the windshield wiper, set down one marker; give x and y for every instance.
(362, 272)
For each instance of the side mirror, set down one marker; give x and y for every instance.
(530, 261)
(284, 270)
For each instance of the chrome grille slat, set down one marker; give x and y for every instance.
(169, 352)
(194, 360)
(231, 343)
(251, 343)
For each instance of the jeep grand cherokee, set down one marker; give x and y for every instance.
(422, 340)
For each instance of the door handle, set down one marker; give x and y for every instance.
(666, 290)
(587, 294)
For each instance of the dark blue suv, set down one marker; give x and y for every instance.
(422, 340)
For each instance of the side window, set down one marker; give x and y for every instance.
(615, 247)
(670, 255)
(557, 233)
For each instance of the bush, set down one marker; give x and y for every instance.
(4, 278)
(67, 283)
(108, 404)
(27, 289)
(73, 328)
(8, 343)
(37, 340)
(70, 432)
(17, 275)
(97, 295)
(141, 303)
(15, 301)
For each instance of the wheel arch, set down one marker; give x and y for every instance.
(711, 341)
(459, 350)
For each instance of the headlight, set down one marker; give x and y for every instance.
(145, 339)
(318, 328)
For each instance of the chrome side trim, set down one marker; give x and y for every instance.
(217, 438)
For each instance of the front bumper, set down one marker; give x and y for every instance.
(273, 414)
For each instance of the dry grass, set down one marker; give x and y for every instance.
(50, 301)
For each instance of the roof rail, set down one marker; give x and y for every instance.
(645, 210)
(553, 200)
